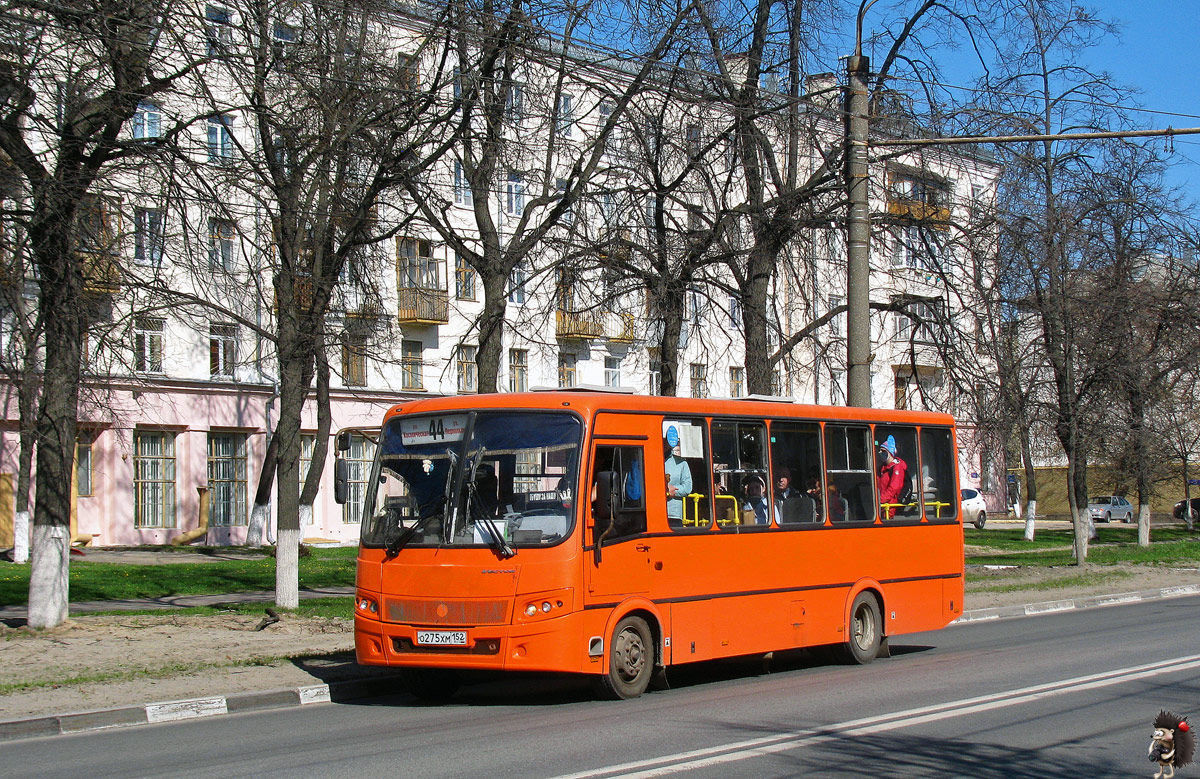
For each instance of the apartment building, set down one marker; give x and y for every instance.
(182, 380)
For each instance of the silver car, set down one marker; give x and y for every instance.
(1106, 508)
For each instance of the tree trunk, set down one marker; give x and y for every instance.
(316, 466)
(670, 304)
(293, 389)
(1030, 487)
(491, 328)
(260, 516)
(27, 399)
(59, 301)
(759, 368)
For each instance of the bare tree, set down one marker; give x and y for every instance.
(71, 79)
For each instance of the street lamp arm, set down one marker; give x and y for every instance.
(863, 7)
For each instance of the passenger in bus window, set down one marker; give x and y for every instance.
(814, 492)
(790, 505)
(755, 490)
(891, 477)
(678, 472)
(838, 506)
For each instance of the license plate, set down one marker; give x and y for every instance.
(442, 637)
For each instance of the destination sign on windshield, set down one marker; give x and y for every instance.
(432, 430)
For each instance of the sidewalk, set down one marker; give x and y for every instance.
(349, 681)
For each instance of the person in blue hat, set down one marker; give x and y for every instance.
(679, 474)
(891, 477)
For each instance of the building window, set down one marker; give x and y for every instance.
(776, 384)
(692, 139)
(354, 360)
(699, 380)
(218, 29)
(655, 373)
(837, 386)
(148, 236)
(518, 370)
(83, 463)
(737, 382)
(900, 396)
(514, 103)
(418, 268)
(410, 365)
(462, 186)
(514, 194)
(836, 324)
(566, 370)
(153, 478)
(147, 121)
(222, 350)
(227, 479)
(920, 248)
(148, 344)
(516, 284)
(220, 244)
(612, 371)
(220, 138)
(468, 378)
(560, 187)
(566, 115)
(358, 460)
(464, 279)
(308, 445)
(735, 312)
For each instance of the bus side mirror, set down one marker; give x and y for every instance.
(343, 442)
(341, 479)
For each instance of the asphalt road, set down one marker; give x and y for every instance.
(1068, 694)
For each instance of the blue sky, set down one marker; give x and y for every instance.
(1157, 53)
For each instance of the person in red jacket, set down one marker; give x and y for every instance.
(891, 477)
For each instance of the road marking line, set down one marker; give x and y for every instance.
(766, 745)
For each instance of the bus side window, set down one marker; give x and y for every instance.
(937, 471)
(796, 473)
(901, 472)
(685, 464)
(618, 492)
(850, 493)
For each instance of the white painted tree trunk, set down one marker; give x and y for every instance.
(306, 514)
(1143, 524)
(21, 537)
(1030, 516)
(1017, 509)
(259, 517)
(48, 577)
(287, 569)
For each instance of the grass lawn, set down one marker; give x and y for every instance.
(1168, 546)
(325, 567)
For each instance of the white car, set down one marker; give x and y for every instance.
(973, 508)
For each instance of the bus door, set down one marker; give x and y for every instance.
(620, 559)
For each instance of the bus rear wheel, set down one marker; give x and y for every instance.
(630, 661)
(866, 630)
(431, 684)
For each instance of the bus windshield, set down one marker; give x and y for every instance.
(488, 478)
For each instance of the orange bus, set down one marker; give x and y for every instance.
(617, 535)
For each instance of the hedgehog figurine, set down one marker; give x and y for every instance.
(1172, 744)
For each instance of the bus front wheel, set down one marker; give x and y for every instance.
(630, 661)
(866, 630)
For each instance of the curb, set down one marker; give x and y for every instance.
(1088, 602)
(171, 711)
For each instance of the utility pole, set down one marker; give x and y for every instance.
(858, 232)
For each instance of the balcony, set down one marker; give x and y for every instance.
(421, 306)
(101, 273)
(918, 210)
(620, 327)
(578, 325)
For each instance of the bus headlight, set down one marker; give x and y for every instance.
(367, 605)
(545, 604)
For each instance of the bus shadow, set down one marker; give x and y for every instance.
(498, 688)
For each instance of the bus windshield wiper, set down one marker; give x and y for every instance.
(401, 540)
(495, 537)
